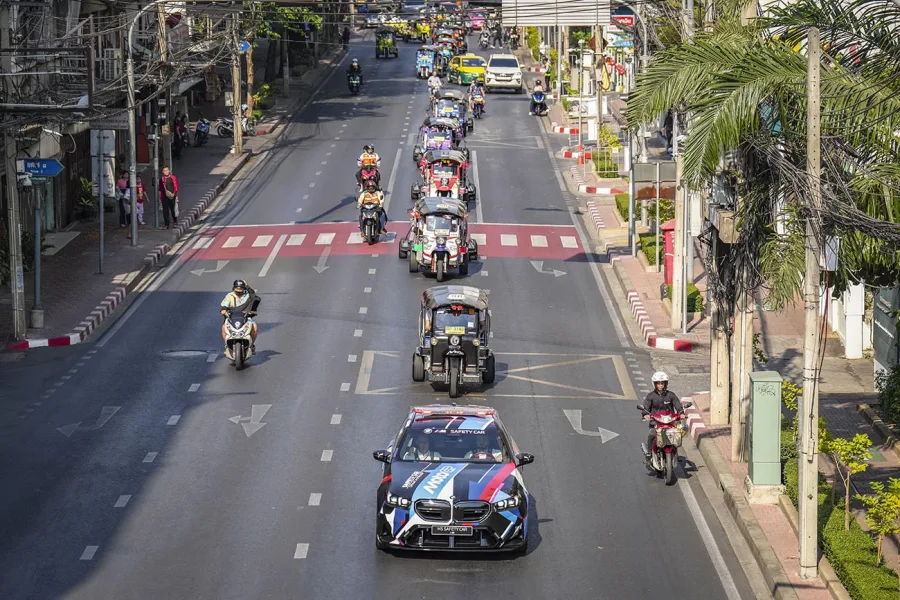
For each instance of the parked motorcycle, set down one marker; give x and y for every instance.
(225, 127)
(669, 432)
(239, 345)
(371, 226)
(538, 103)
(354, 82)
(201, 132)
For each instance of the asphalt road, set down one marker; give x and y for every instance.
(167, 496)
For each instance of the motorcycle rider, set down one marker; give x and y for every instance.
(476, 95)
(371, 194)
(434, 84)
(355, 69)
(368, 160)
(658, 400)
(241, 297)
(535, 108)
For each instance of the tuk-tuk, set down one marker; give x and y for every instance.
(445, 176)
(440, 242)
(445, 100)
(454, 330)
(425, 61)
(438, 134)
(423, 29)
(451, 109)
(459, 33)
(386, 44)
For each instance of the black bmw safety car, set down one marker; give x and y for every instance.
(452, 481)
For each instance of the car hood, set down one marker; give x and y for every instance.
(463, 481)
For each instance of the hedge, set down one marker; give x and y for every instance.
(622, 206)
(649, 241)
(694, 299)
(851, 553)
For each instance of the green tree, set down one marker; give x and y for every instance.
(851, 456)
(882, 511)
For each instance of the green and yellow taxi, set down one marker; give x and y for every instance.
(466, 68)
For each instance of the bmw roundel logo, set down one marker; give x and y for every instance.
(427, 430)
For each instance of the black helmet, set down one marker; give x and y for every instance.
(369, 148)
(239, 283)
(370, 184)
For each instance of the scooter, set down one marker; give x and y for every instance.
(354, 83)
(201, 132)
(477, 108)
(484, 40)
(371, 225)
(538, 103)
(669, 432)
(239, 345)
(225, 127)
(365, 174)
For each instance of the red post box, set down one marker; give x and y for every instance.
(668, 232)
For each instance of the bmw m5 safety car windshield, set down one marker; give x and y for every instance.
(454, 439)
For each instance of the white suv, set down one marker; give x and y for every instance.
(503, 72)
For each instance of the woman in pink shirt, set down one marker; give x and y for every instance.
(168, 195)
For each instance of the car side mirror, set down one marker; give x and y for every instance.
(640, 407)
(523, 458)
(687, 404)
(382, 456)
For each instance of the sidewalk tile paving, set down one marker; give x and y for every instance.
(74, 295)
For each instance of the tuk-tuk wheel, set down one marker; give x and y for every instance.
(402, 253)
(464, 267)
(490, 370)
(413, 261)
(418, 368)
(454, 382)
(472, 250)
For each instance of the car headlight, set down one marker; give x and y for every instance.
(454, 340)
(442, 241)
(510, 502)
(393, 500)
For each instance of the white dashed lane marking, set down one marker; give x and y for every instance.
(151, 456)
(122, 501)
(326, 455)
(301, 551)
(173, 420)
(194, 387)
(315, 499)
(89, 552)
(335, 419)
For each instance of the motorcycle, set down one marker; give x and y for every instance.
(371, 225)
(354, 82)
(225, 127)
(239, 345)
(485, 40)
(538, 103)
(477, 108)
(514, 41)
(669, 432)
(367, 173)
(201, 132)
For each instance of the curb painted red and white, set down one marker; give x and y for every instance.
(649, 332)
(599, 191)
(109, 304)
(695, 424)
(577, 175)
(534, 69)
(594, 213)
(563, 129)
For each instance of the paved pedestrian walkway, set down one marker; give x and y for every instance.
(75, 296)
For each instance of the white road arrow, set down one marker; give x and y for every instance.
(220, 264)
(252, 423)
(106, 413)
(574, 417)
(320, 266)
(539, 267)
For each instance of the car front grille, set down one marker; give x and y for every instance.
(433, 510)
(471, 512)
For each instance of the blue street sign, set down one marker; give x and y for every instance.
(243, 47)
(46, 167)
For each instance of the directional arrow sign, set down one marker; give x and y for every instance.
(574, 417)
(252, 423)
(243, 47)
(106, 414)
(47, 167)
(320, 266)
(220, 264)
(539, 267)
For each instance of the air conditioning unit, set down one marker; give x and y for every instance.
(111, 64)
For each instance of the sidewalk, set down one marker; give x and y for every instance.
(75, 297)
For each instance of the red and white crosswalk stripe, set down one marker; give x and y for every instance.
(551, 242)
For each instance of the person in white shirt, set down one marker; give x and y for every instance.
(483, 450)
(422, 450)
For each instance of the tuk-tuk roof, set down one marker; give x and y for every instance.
(443, 122)
(443, 295)
(384, 33)
(428, 48)
(454, 155)
(430, 205)
(453, 94)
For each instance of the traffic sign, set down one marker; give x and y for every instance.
(116, 122)
(47, 167)
(624, 20)
(243, 47)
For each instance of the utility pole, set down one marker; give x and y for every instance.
(808, 412)
(161, 142)
(236, 87)
(13, 226)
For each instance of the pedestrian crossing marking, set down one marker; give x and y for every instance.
(296, 239)
(203, 242)
(324, 239)
(539, 241)
(568, 241)
(480, 238)
(509, 239)
(354, 238)
(262, 241)
(233, 241)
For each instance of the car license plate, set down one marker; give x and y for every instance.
(455, 330)
(452, 530)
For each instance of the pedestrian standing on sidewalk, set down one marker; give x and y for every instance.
(121, 186)
(168, 195)
(345, 38)
(141, 196)
(126, 205)
(177, 139)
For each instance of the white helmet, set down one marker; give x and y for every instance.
(660, 377)
(355, 61)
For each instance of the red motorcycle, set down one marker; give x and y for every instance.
(366, 173)
(669, 432)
